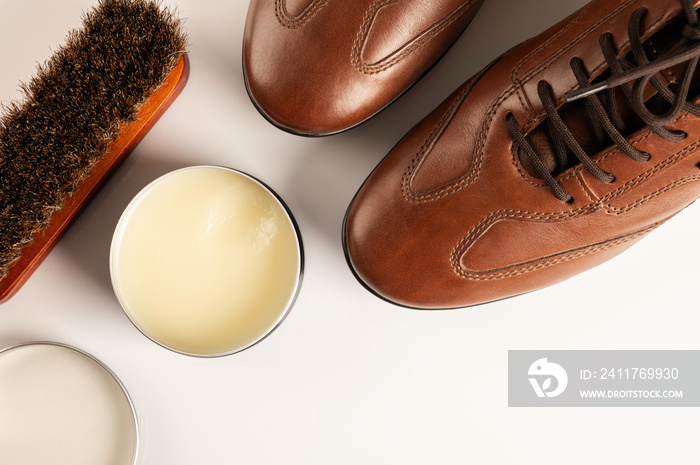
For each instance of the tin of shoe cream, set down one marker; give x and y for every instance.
(61, 406)
(206, 261)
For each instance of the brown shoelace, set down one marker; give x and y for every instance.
(606, 119)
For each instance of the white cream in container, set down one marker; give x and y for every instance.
(60, 406)
(206, 261)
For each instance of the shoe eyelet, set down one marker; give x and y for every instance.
(612, 180)
(570, 201)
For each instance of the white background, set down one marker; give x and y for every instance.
(347, 378)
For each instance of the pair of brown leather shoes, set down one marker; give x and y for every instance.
(558, 156)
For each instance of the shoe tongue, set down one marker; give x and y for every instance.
(541, 143)
(576, 118)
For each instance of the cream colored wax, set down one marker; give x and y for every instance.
(205, 261)
(60, 407)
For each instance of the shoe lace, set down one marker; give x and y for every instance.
(606, 119)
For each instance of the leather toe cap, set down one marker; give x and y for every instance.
(320, 67)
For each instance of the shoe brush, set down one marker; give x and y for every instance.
(82, 113)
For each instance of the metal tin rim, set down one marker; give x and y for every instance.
(137, 444)
(123, 220)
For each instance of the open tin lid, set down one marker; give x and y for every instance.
(62, 406)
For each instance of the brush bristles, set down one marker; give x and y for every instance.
(74, 108)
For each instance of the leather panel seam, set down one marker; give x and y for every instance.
(642, 177)
(406, 50)
(475, 170)
(535, 51)
(296, 22)
(650, 196)
(461, 248)
(544, 262)
(412, 170)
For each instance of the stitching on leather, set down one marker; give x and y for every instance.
(561, 52)
(475, 170)
(536, 70)
(426, 148)
(549, 261)
(624, 49)
(536, 119)
(299, 21)
(574, 171)
(521, 97)
(418, 160)
(535, 51)
(468, 240)
(585, 188)
(646, 198)
(632, 182)
(426, 36)
(519, 214)
(409, 174)
(471, 237)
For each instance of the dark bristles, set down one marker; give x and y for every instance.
(74, 108)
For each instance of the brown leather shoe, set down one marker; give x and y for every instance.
(318, 67)
(506, 188)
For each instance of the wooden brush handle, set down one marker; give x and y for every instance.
(129, 137)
